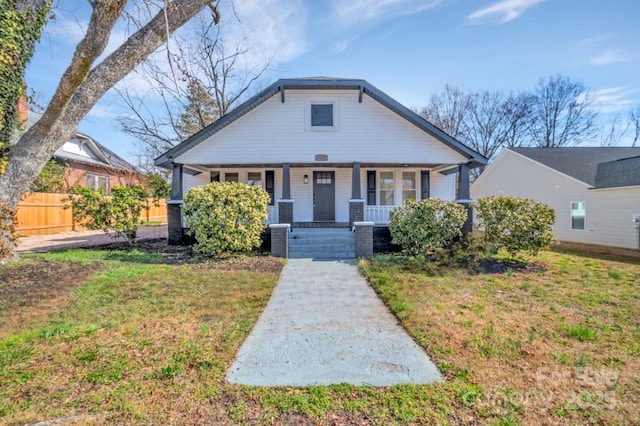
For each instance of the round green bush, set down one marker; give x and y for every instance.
(225, 217)
(422, 227)
(515, 224)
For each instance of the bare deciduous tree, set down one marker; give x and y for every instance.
(634, 117)
(80, 87)
(563, 113)
(485, 121)
(201, 81)
(449, 110)
(612, 133)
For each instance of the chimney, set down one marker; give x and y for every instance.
(23, 109)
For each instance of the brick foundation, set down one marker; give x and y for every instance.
(280, 239)
(364, 239)
(285, 211)
(356, 211)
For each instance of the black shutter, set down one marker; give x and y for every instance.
(269, 185)
(371, 187)
(424, 184)
(215, 177)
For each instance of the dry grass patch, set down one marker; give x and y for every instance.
(139, 338)
(549, 345)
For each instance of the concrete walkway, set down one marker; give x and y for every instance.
(325, 325)
(41, 243)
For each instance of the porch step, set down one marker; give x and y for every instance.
(322, 243)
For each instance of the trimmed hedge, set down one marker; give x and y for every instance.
(422, 227)
(226, 217)
(515, 224)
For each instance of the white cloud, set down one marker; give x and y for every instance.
(608, 57)
(67, 29)
(502, 12)
(594, 40)
(102, 111)
(613, 99)
(356, 12)
(269, 28)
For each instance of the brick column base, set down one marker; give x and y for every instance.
(174, 222)
(280, 239)
(364, 239)
(285, 211)
(356, 211)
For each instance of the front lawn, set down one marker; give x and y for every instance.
(139, 337)
(557, 342)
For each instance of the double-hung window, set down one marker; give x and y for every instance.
(97, 182)
(578, 214)
(231, 177)
(408, 186)
(254, 179)
(387, 192)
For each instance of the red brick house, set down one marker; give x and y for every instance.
(91, 164)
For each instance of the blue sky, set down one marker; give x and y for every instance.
(407, 48)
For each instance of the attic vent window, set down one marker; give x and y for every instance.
(321, 115)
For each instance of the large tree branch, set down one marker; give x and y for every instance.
(76, 94)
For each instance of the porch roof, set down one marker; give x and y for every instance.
(445, 169)
(475, 159)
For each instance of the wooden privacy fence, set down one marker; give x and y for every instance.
(40, 213)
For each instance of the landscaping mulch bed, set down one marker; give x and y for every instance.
(178, 254)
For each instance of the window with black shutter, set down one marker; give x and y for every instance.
(424, 184)
(371, 187)
(269, 185)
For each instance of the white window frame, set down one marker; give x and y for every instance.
(260, 172)
(571, 215)
(237, 173)
(95, 177)
(415, 183)
(308, 106)
(394, 189)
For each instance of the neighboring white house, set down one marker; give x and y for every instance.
(326, 150)
(595, 191)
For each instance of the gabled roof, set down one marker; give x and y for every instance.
(104, 156)
(583, 163)
(320, 83)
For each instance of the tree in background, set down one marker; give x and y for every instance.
(52, 179)
(485, 121)
(612, 133)
(81, 86)
(449, 110)
(199, 80)
(562, 113)
(558, 112)
(119, 212)
(157, 187)
(20, 24)
(634, 117)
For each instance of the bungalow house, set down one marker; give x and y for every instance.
(595, 191)
(90, 163)
(329, 152)
(93, 165)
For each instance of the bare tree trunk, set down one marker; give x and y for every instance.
(81, 87)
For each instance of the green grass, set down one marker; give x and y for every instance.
(504, 332)
(137, 341)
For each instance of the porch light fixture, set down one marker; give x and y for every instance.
(306, 179)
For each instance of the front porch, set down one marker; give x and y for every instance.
(324, 195)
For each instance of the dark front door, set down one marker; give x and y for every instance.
(324, 196)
